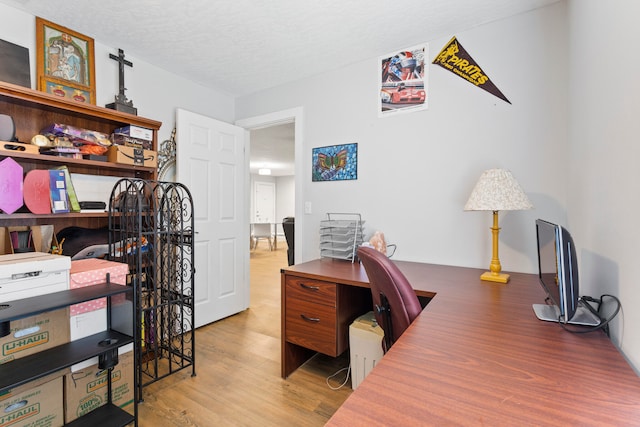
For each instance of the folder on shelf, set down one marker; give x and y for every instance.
(58, 189)
(74, 205)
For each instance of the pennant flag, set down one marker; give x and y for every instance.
(454, 58)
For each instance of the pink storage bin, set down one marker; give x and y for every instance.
(88, 272)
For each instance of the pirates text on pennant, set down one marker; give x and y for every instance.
(454, 58)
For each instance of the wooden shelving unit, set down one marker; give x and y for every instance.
(32, 111)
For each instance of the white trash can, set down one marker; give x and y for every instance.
(365, 346)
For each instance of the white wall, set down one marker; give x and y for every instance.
(603, 194)
(285, 199)
(571, 142)
(416, 170)
(285, 205)
(155, 92)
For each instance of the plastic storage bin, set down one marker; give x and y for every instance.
(365, 343)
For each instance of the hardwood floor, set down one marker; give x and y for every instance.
(238, 369)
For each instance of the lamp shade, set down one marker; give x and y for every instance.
(497, 190)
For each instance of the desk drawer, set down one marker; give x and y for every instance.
(311, 290)
(311, 325)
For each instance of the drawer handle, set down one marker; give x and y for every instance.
(310, 288)
(310, 319)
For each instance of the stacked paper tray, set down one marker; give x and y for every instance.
(340, 238)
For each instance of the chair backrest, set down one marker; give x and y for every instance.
(386, 278)
(261, 229)
(288, 226)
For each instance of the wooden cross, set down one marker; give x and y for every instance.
(122, 62)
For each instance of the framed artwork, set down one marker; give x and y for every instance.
(66, 58)
(403, 81)
(335, 162)
(65, 89)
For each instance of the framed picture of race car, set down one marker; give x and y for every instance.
(403, 81)
(335, 162)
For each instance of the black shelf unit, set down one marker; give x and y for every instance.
(41, 364)
(104, 416)
(151, 226)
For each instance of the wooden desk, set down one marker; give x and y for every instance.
(477, 355)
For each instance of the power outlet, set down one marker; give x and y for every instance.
(307, 208)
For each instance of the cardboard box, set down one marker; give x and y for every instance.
(34, 334)
(93, 271)
(131, 141)
(136, 132)
(132, 156)
(35, 404)
(86, 389)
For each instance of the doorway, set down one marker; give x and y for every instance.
(275, 121)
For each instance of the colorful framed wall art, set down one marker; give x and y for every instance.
(335, 162)
(66, 58)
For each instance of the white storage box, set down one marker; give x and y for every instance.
(30, 274)
(365, 344)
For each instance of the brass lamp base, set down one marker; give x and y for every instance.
(495, 277)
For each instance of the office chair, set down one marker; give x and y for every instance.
(261, 231)
(288, 225)
(395, 304)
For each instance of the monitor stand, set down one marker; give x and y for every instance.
(551, 313)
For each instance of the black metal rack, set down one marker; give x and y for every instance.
(151, 226)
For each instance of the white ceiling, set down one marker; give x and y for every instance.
(244, 46)
(273, 148)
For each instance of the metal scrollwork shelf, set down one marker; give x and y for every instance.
(151, 228)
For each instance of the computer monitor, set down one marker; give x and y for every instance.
(558, 274)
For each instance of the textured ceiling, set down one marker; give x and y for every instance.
(243, 46)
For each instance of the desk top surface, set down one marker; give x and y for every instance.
(477, 355)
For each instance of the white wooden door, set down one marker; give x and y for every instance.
(211, 163)
(265, 202)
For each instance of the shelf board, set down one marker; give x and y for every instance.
(40, 158)
(29, 368)
(43, 100)
(18, 309)
(107, 415)
(26, 215)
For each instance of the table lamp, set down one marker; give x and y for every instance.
(497, 190)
